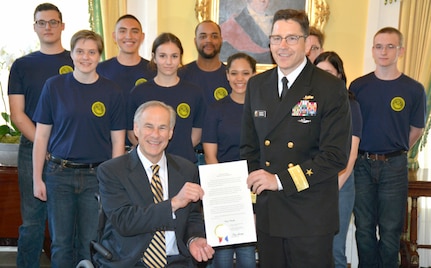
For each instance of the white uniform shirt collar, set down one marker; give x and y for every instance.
(291, 77)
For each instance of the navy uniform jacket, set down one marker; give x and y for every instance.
(132, 216)
(304, 138)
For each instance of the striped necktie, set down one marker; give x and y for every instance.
(155, 255)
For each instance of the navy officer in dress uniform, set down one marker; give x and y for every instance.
(295, 141)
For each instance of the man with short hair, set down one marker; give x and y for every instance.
(148, 194)
(128, 68)
(314, 43)
(27, 77)
(208, 72)
(393, 108)
(295, 137)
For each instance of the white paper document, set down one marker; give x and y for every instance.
(227, 204)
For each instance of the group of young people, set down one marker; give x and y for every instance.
(308, 146)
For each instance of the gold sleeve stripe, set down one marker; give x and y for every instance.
(298, 178)
(253, 197)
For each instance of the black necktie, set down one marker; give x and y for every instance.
(155, 255)
(285, 87)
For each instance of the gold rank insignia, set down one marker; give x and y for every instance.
(309, 172)
(253, 197)
(308, 97)
(298, 178)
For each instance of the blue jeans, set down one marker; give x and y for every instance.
(33, 211)
(244, 255)
(346, 199)
(381, 198)
(201, 159)
(72, 213)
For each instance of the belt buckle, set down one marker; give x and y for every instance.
(373, 157)
(367, 156)
(63, 163)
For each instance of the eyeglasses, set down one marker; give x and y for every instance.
(52, 23)
(387, 47)
(290, 39)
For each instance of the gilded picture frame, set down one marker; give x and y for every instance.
(223, 12)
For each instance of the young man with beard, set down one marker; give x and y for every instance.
(207, 71)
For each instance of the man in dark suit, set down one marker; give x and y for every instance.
(134, 217)
(295, 141)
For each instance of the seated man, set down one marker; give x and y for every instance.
(148, 226)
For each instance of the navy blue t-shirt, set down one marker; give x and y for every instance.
(223, 126)
(214, 84)
(388, 108)
(82, 117)
(355, 111)
(186, 99)
(29, 73)
(127, 77)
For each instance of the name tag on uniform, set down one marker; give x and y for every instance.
(259, 113)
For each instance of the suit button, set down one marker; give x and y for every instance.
(267, 163)
(290, 145)
(290, 165)
(267, 142)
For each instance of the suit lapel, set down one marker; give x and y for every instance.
(175, 180)
(138, 178)
(270, 92)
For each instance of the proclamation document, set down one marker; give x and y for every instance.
(227, 204)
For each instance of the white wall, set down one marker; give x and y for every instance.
(146, 12)
(19, 38)
(379, 16)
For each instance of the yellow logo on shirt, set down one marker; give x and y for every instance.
(220, 93)
(65, 69)
(98, 109)
(140, 81)
(398, 104)
(183, 110)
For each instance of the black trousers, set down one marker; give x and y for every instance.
(295, 252)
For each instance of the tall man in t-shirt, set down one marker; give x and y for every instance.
(128, 68)
(393, 112)
(207, 71)
(27, 77)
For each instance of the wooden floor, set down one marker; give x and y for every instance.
(8, 258)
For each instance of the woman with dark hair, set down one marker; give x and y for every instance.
(221, 138)
(186, 98)
(330, 61)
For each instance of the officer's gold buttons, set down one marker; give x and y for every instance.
(267, 142)
(290, 165)
(290, 145)
(267, 163)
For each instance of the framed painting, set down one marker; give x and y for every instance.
(246, 24)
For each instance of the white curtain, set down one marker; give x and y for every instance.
(424, 212)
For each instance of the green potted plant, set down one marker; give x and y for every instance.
(8, 131)
(9, 138)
